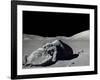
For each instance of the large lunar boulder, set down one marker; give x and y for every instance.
(49, 54)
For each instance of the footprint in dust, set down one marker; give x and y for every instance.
(71, 64)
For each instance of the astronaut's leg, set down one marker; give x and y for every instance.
(54, 55)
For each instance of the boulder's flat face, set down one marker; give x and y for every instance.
(70, 46)
(38, 57)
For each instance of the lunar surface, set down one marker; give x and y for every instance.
(78, 42)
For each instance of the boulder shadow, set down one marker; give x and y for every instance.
(65, 52)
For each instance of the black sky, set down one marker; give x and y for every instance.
(54, 24)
